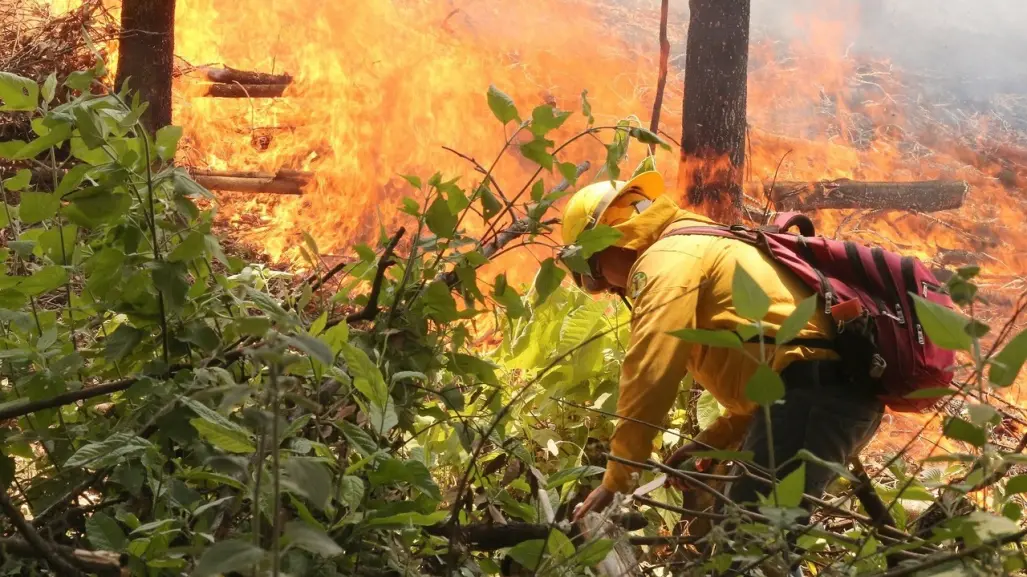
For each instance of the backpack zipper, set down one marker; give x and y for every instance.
(889, 283)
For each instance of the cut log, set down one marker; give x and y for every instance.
(301, 176)
(927, 196)
(226, 90)
(232, 76)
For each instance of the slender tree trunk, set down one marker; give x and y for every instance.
(146, 55)
(713, 131)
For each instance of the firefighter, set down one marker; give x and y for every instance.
(685, 281)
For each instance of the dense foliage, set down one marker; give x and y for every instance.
(191, 413)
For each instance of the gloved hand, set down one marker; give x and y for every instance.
(680, 460)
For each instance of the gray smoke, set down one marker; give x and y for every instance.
(972, 48)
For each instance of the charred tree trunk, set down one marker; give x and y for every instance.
(713, 131)
(146, 55)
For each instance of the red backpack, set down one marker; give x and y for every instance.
(866, 292)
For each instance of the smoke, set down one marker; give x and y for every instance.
(971, 48)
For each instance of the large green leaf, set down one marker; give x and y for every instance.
(55, 136)
(547, 280)
(1016, 485)
(572, 474)
(790, 489)
(311, 539)
(409, 519)
(545, 118)
(367, 378)
(708, 409)
(960, 430)
(114, 449)
(167, 141)
(43, 280)
(310, 478)
(537, 150)
(507, 296)
(17, 93)
(750, 301)
(226, 556)
(413, 473)
(351, 491)
(104, 533)
(38, 206)
(191, 247)
(528, 553)
(440, 219)
(720, 339)
(224, 438)
(800, 317)
(438, 303)
(1007, 364)
(597, 238)
(213, 417)
(358, 438)
(19, 181)
(945, 327)
(501, 105)
(764, 386)
(122, 342)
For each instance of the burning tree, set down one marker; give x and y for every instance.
(146, 55)
(714, 121)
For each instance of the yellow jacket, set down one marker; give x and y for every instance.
(685, 282)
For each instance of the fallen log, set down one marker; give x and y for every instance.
(227, 90)
(265, 184)
(232, 76)
(926, 196)
(284, 174)
(103, 563)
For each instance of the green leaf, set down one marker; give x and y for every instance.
(170, 279)
(167, 141)
(88, 127)
(351, 491)
(1007, 364)
(569, 172)
(107, 452)
(528, 553)
(38, 206)
(414, 181)
(565, 476)
(719, 339)
(358, 438)
(440, 220)
(593, 552)
(367, 378)
(1016, 485)
(537, 191)
(586, 107)
(982, 414)
(538, 151)
(72, 179)
(227, 556)
(560, 547)
(508, 297)
(800, 317)
(545, 118)
(648, 164)
(49, 88)
(226, 439)
(960, 430)
(409, 519)
(547, 280)
(414, 473)
(311, 479)
(313, 346)
(121, 342)
(838, 468)
(104, 533)
(252, 326)
(791, 488)
(501, 105)
(748, 298)
(186, 186)
(191, 247)
(945, 327)
(708, 409)
(990, 526)
(43, 280)
(53, 249)
(311, 539)
(932, 393)
(11, 147)
(80, 80)
(646, 136)
(437, 303)
(490, 205)
(17, 93)
(474, 366)
(597, 239)
(57, 135)
(764, 386)
(19, 181)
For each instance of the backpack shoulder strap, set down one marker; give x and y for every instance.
(785, 221)
(734, 232)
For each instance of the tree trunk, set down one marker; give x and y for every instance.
(713, 131)
(146, 55)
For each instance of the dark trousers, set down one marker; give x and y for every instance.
(824, 411)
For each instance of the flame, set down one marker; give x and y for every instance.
(379, 87)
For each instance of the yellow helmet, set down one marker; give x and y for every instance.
(608, 202)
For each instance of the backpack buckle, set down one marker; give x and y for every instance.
(877, 366)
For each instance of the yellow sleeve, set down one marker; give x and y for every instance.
(655, 362)
(727, 432)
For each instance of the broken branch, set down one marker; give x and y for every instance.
(40, 545)
(927, 196)
(103, 563)
(232, 75)
(371, 309)
(226, 90)
(258, 184)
